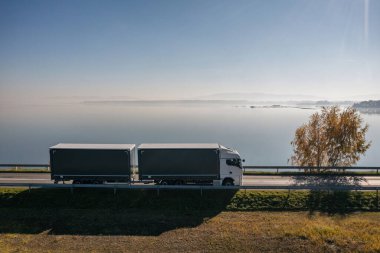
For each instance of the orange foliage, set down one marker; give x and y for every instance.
(333, 137)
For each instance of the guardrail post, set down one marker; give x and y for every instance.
(29, 188)
(72, 189)
(201, 191)
(114, 189)
(158, 191)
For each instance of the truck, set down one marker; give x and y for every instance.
(189, 163)
(92, 163)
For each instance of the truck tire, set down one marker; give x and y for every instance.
(164, 182)
(179, 182)
(228, 182)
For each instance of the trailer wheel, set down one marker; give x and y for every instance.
(228, 182)
(179, 182)
(164, 182)
(76, 181)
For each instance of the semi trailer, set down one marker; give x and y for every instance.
(92, 163)
(165, 164)
(189, 164)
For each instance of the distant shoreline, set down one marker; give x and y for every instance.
(273, 103)
(373, 104)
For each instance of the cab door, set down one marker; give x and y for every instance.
(230, 168)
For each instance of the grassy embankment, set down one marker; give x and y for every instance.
(98, 220)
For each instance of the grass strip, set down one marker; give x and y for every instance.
(183, 200)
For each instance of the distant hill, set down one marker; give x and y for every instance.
(329, 103)
(259, 97)
(368, 104)
(325, 103)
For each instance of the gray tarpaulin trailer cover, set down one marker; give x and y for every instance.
(179, 161)
(103, 162)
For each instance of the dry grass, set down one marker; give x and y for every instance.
(227, 231)
(179, 221)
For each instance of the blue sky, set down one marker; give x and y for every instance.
(188, 49)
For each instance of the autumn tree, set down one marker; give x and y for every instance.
(333, 137)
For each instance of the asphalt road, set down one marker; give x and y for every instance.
(44, 178)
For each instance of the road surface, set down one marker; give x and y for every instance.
(44, 178)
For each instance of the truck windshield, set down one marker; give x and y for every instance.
(234, 162)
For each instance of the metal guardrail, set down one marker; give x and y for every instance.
(248, 167)
(24, 165)
(201, 187)
(311, 168)
(194, 187)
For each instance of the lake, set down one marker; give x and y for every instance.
(262, 135)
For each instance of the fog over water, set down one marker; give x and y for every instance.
(262, 135)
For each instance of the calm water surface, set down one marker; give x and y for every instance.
(261, 135)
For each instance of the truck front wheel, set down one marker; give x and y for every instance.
(228, 182)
